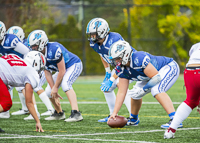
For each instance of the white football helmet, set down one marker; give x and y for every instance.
(37, 37)
(97, 26)
(2, 30)
(18, 31)
(36, 59)
(120, 49)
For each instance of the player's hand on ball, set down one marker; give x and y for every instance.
(39, 127)
(112, 117)
(118, 122)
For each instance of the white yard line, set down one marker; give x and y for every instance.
(150, 131)
(17, 136)
(83, 102)
(85, 139)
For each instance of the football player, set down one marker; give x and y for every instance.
(16, 33)
(11, 44)
(101, 39)
(192, 84)
(155, 74)
(40, 91)
(16, 72)
(67, 67)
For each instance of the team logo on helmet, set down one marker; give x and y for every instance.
(37, 36)
(119, 48)
(15, 31)
(97, 24)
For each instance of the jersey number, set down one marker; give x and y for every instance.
(14, 60)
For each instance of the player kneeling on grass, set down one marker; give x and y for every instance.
(155, 74)
(17, 72)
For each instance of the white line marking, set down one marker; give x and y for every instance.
(95, 134)
(99, 102)
(78, 139)
(150, 131)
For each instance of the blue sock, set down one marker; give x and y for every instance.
(135, 117)
(171, 115)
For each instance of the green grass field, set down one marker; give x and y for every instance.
(93, 107)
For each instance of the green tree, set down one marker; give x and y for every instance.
(181, 27)
(38, 15)
(28, 14)
(68, 35)
(164, 27)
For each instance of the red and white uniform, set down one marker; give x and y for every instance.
(16, 73)
(192, 84)
(192, 77)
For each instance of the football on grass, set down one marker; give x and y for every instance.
(120, 122)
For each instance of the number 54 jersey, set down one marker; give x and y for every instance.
(16, 73)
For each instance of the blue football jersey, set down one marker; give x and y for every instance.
(54, 53)
(8, 45)
(104, 48)
(25, 42)
(139, 61)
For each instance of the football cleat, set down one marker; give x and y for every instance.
(56, 116)
(30, 117)
(75, 116)
(1, 131)
(48, 113)
(104, 119)
(20, 112)
(133, 121)
(165, 126)
(169, 133)
(5, 115)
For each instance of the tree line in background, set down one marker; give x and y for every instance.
(160, 27)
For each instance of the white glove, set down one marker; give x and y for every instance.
(137, 93)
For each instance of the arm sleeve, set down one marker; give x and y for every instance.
(21, 48)
(152, 82)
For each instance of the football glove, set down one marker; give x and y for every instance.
(137, 93)
(107, 76)
(106, 85)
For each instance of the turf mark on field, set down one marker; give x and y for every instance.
(65, 136)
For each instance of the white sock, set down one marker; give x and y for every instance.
(8, 111)
(22, 99)
(46, 101)
(110, 99)
(181, 114)
(127, 102)
(35, 106)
